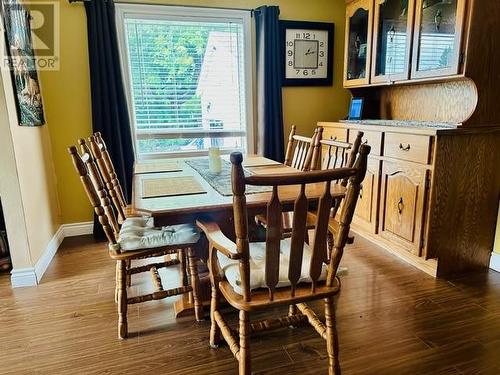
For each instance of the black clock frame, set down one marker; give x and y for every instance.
(323, 26)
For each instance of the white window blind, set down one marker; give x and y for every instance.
(188, 81)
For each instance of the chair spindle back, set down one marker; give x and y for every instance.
(302, 153)
(103, 160)
(96, 193)
(319, 255)
(340, 154)
(98, 184)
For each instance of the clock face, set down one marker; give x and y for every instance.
(306, 54)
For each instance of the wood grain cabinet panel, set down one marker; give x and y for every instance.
(408, 147)
(402, 204)
(366, 213)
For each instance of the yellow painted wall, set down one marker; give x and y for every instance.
(67, 92)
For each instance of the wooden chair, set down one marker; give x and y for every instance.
(303, 153)
(337, 154)
(98, 151)
(137, 239)
(284, 272)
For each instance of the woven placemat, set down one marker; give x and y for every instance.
(171, 186)
(157, 167)
(258, 161)
(221, 182)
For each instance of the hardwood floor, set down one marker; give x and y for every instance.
(392, 319)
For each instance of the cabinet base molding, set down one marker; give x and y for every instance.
(429, 266)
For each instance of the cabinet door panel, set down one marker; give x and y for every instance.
(393, 26)
(438, 36)
(357, 60)
(366, 213)
(402, 204)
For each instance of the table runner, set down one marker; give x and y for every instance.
(221, 182)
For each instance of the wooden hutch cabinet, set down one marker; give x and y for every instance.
(432, 96)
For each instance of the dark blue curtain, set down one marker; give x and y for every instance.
(109, 106)
(269, 97)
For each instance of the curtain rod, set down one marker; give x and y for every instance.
(177, 5)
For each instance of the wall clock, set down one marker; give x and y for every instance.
(307, 53)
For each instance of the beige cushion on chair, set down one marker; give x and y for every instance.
(138, 222)
(136, 237)
(258, 267)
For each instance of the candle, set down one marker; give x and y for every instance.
(214, 160)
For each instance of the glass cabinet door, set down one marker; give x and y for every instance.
(392, 40)
(438, 36)
(358, 43)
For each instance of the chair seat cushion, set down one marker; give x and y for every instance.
(138, 222)
(258, 267)
(133, 236)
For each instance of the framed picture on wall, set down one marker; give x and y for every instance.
(307, 53)
(22, 63)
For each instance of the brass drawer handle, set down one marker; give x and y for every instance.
(361, 192)
(404, 148)
(400, 205)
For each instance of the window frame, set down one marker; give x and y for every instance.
(169, 12)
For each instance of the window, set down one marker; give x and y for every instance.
(188, 74)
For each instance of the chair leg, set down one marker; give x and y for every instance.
(129, 276)
(332, 343)
(122, 299)
(244, 359)
(117, 270)
(292, 310)
(215, 334)
(195, 283)
(181, 255)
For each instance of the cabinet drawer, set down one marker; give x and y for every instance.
(373, 139)
(339, 134)
(407, 147)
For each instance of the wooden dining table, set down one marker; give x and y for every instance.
(206, 202)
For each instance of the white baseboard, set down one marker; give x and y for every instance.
(495, 262)
(31, 276)
(23, 277)
(51, 250)
(77, 229)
